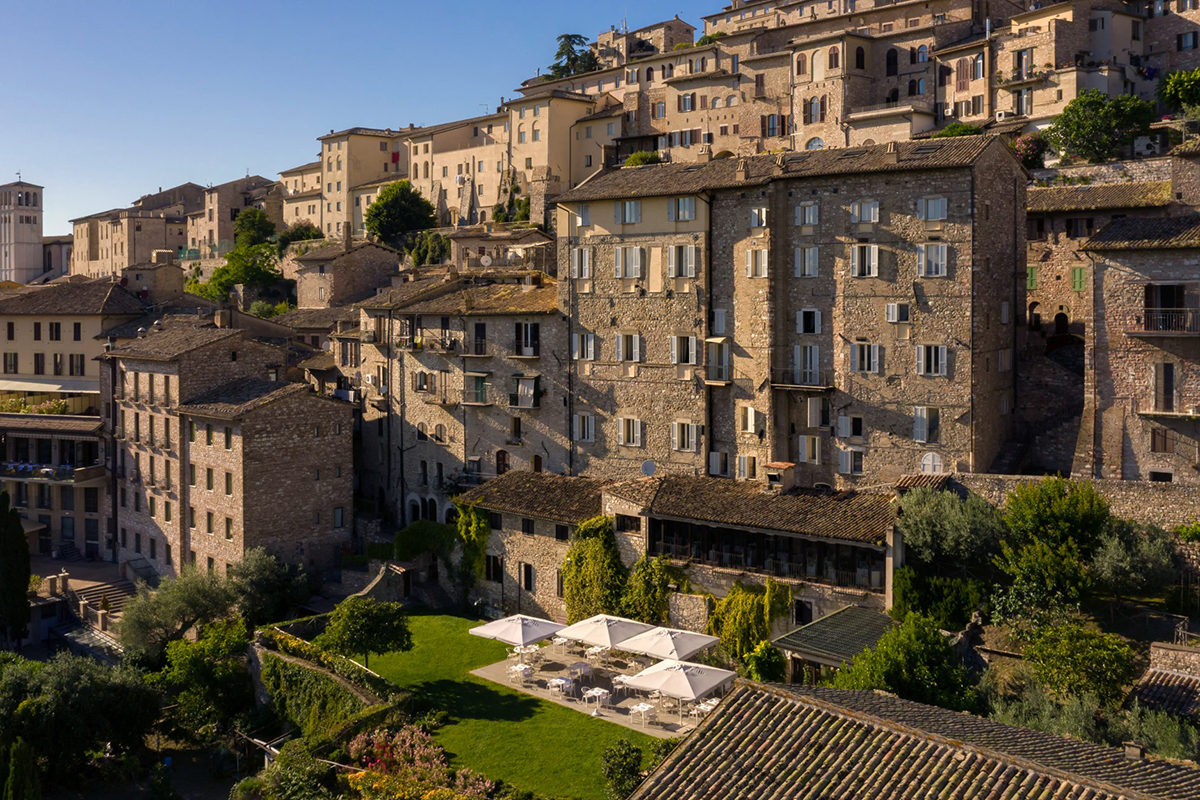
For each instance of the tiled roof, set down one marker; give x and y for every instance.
(188, 310)
(237, 398)
(683, 178)
(302, 168)
(100, 297)
(1134, 194)
(1168, 690)
(849, 516)
(336, 250)
(316, 318)
(509, 235)
(316, 192)
(926, 479)
(407, 292)
(490, 300)
(319, 363)
(1189, 148)
(811, 743)
(838, 637)
(539, 494)
(1167, 233)
(50, 423)
(171, 341)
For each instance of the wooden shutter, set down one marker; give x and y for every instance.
(875, 354)
(762, 122)
(575, 257)
(671, 209)
(814, 412)
(920, 424)
(674, 350)
(844, 462)
(672, 268)
(618, 259)
(942, 366)
(855, 267)
(690, 251)
(714, 463)
(620, 430)
(674, 435)
(693, 353)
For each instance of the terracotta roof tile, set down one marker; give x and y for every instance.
(539, 494)
(1133, 194)
(810, 743)
(99, 297)
(490, 300)
(847, 516)
(1167, 690)
(237, 398)
(50, 423)
(931, 481)
(1189, 148)
(335, 250)
(689, 178)
(316, 318)
(175, 338)
(1167, 233)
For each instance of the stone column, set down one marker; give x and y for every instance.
(52, 585)
(66, 581)
(103, 615)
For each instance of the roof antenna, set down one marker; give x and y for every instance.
(18, 176)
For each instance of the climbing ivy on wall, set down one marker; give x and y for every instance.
(593, 575)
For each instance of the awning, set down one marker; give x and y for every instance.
(74, 385)
(32, 526)
(717, 339)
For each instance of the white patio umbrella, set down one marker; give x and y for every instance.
(669, 643)
(683, 680)
(518, 630)
(604, 630)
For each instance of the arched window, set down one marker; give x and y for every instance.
(1035, 317)
(912, 88)
(716, 102)
(439, 433)
(426, 169)
(414, 511)
(893, 62)
(732, 100)
(816, 143)
(691, 67)
(670, 70)
(868, 143)
(537, 134)
(704, 65)
(520, 134)
(978, 71)
(921, 86)
(451, 515)
(501, 462)
(931, 464)
(835, 58)
(894, 96)
(860, 59)
(422, 432)
(649, 74)
(922, 54)
(801, 64)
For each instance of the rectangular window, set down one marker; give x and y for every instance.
(1031, 277)
(208, 478)
(808, 213)
(864, 260)
(864, 211)
(527, 526)
(527, 582)
(584, 428)
(806, 259)
(55, 331)
(1078, 279)
(493, 569)
(932, 208)
(808, 320)
(583, 346)
(628, 212)
(809, 451)
(684, 350)
(850, 462)
(228, 483)
(228, 438)
(864, 357)
(629, 432)
(1004, 361)
(756, 263)
(747, 468)
(1162, 440)
(685, 437)
(931, 359)
(926, 425)
(581, 262)
(629, 347)
(208, 434)
(931, 260)
(627, 262)
(898, 312)
(758, 217)
(562, 533)
(681, 261)
(681, 209)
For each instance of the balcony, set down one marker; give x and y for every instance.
(908, 105)
(866, 578)
(799, 378)
(441, 343)
(26, 472)
(437, 397)
(1169, 407)
(1163, 322)
(477, 348)
(518, 401)
(718, 374)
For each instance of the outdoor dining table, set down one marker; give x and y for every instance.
(520, 671)
(525, 650)
(599, 652)
(563, 686)
(560, 643)
(579, 669)
(599, 695)
(645, 710)
(618, 683)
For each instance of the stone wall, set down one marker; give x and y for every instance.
(1175, 657)
(688, 612)
(1147, 169)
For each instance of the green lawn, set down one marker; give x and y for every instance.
(504, 734)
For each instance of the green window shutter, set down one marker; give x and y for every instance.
(1077, 279)
(1031, 277)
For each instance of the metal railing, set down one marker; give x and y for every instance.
(1167, 321)
(864, 578)
(718, 372)
(800, 377)
(62, 473)
(477, 347)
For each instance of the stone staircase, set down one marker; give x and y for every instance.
(69, 552)
(117, 593)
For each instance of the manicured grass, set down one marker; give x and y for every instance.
(504, 734)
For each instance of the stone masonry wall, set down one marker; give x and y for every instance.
(1175, 657)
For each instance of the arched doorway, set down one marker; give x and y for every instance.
(414, 511)
(1062, 324)
(1035, 317)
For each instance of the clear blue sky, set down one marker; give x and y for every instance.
(114, 99)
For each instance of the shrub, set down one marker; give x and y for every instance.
(956, 129)
(646, 596)
(1189, 532)
(643, 158)
(621, 766)
(339, 665)
(938, 526)
(950, 602)
(742, 619)
(1095, 127)
(1069, 660)
(1031, 149)
(425, 536)
(1047, 583)
(1057, 510)
(765, 663)
(310, 700)
(593, 575)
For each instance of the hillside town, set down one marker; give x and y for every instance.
(801, 400)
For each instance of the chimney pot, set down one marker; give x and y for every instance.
(1134, 751)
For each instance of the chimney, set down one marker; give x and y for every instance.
(743, 170)
(1135, 751)
(223, 318)
(890, 155)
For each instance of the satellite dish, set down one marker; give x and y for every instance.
(486, 261)
(648, 468)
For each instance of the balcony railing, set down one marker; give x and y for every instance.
(1164, 322)
(1166, 406)
(477, 347)
(49, 473)
(802, 378)
(438, 397)
(864, 578)
(516, 400)
(718, 373)
(439, 343)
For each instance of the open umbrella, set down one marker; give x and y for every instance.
(669, 643)
(604, 630)
(518, 630)
(683, 680)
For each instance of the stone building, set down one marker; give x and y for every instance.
(21, 255)
(211, 454)
(339, 273)
(831, 550)
(348, 158)
(302, 195)
(107, 242)
(796, 319)
(210, 228)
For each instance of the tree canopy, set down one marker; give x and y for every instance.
(252, 228)
(14, 572)
(593, 575)
(1056, 510)
(256, 266)
(573, 57)
(362, 626)
(939, 526)
(742, 618)
(913, 661)
(398, 211)
(264, 588)
(1180, 90)
(1095, 127)
(152, 619)
(301, 231)
(1070, 660)
(207, 680)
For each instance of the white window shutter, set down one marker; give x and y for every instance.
(674, 349)
(920, 424)
(814, 412)
(873, 268)
(714, 463)
(620, 347)
(749, 263)
(844, 462)
(855, 267)
(741, 467)
(690, 251)
(638, 426)
(587, 263)
(637, 348)
(843, 426)
(719, 321)
(921, 261)
(575, 346)
(920, 359)
(637, 211)
(798, 257)
(1004, 312)
(803, 448)
(854, 207)
(636, 252)
(765, 262)
(799, 214)
(874, 358)
(693, 352)
(921, 208)
(799, 322)
(675, 435)
(585, 215)
(941, 360)
(576, 255)
(853, 357)
(617, 212)
(816, 449)
(671, 209)
(817, 321)
(892, 312)
(672, 269)
(575, 427)
(619, 257)
(620, 430)
(694, 437)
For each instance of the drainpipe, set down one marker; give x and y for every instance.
(1012, 314)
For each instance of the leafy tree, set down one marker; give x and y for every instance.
(742, 619)
(398, 211)
(256, 266)
(362, 626)
(301, 231)
(429, 247)
(22, 780)
(711, 38)
(593, 575)
(647, 595)
(949, 601)
(956, 129)
(252, 228)
(1096, 127)
(152, 619)
(1055, 511)
(264, 588)
(913, 661)
(266, 310)
(1069, 660)
(1047, 582)
(573, 57)
(1180, 90)
(474, 530)
(1132, 558)
(621, 766)
(521, 210)
(207, 680)
(938, 526)
(643, 158)
(14, 573)
(765, 663)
